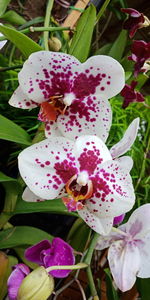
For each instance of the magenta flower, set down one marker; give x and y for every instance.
(118, 219)
(128, 253)
(72, 96)
(52, 254)
(140, 55)
(130, 95)
(135, 21)
(20, 271)
(84, 173)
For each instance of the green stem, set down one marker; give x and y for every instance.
(46, 22)
(87, 260)
(10, 68)
(102, 10)
(71, 267)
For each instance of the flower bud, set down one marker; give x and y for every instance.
(54, 44)
(38, 285)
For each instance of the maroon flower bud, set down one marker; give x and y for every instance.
(140, 55)
(130, 95)
(135, 21)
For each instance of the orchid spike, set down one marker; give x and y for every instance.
(72, 96)
(49, 254)
(128, 253)
(96, 186)
(135, 21)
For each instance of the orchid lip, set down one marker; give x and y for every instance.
(68, 98)
(79, 187)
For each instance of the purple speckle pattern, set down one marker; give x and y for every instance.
(57, 253)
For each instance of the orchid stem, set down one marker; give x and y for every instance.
(46, 22)
(91, 283)
(71, 267)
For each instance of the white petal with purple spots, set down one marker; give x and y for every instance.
(20, 100)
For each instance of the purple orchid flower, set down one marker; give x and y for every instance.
(118, 219)
(72, 96)
(140, 55)
(49, 254)
(128, 253)
(130, 95)
(135, 21)
(20, 271)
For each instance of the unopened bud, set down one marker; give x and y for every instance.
(54, 44)
(38, 285)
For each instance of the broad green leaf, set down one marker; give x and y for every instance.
(6, 178)
(110, 290)
(143, 285)
(13, 18)
(104, 50)
(101, 12)
(76, 225)
(22, 235)
(3, 6)
(52, 206)
(80, 237)
(81, 41)
(119, 45)
(21, 41)
(11, 261)
(12, 132)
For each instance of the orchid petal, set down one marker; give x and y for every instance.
(144, 246)
(126, 162)
(47, 166)
(109, 73)
(118, 219)
(124, 262)
(90, 151)
(51, 129)
(20, 271)
(103, 242)
(127, 141)
(33, 253)
(85, 116)
(113, 192)
(61, 253)
(97, 223)
(47, 73)
(20, 100)
(29, 196)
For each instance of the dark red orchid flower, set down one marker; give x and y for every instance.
(130, 95)
(140, 54)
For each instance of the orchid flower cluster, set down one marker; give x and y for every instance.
(73, 162)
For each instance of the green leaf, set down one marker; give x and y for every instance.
(13, 18)
(12, 132)
(101, 12)
(79, 235)
(119, 45)
(104, 50)
(111, 292)
(22, 235)
(53, 206)
(21, 41)
(3, 6)
(6, 178)
(81, 41)
(143, 285)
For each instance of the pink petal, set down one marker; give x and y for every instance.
(98, 223)
(51, 129)
(124, 262)
(144, 246)
(118, 219)
(91, 115)
(107, 72)
(33, 253)
(47, 166)
(113, 192)
(127, 141)
(20, 100)
(47, 73)
(103, 242)
(20, 271)
(90, 151)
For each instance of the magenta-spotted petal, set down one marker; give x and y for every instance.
(113, 192)
(61, 253)
(33, 253)
(20, 100)
(108, 73)
(96, 222)
(51, 129)
(90, 151)
(20, 271)
(91, 114)
(127, 141)
(29, 196)
(124, 261)
(47, 73)
(47, 166)
(126, 162)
